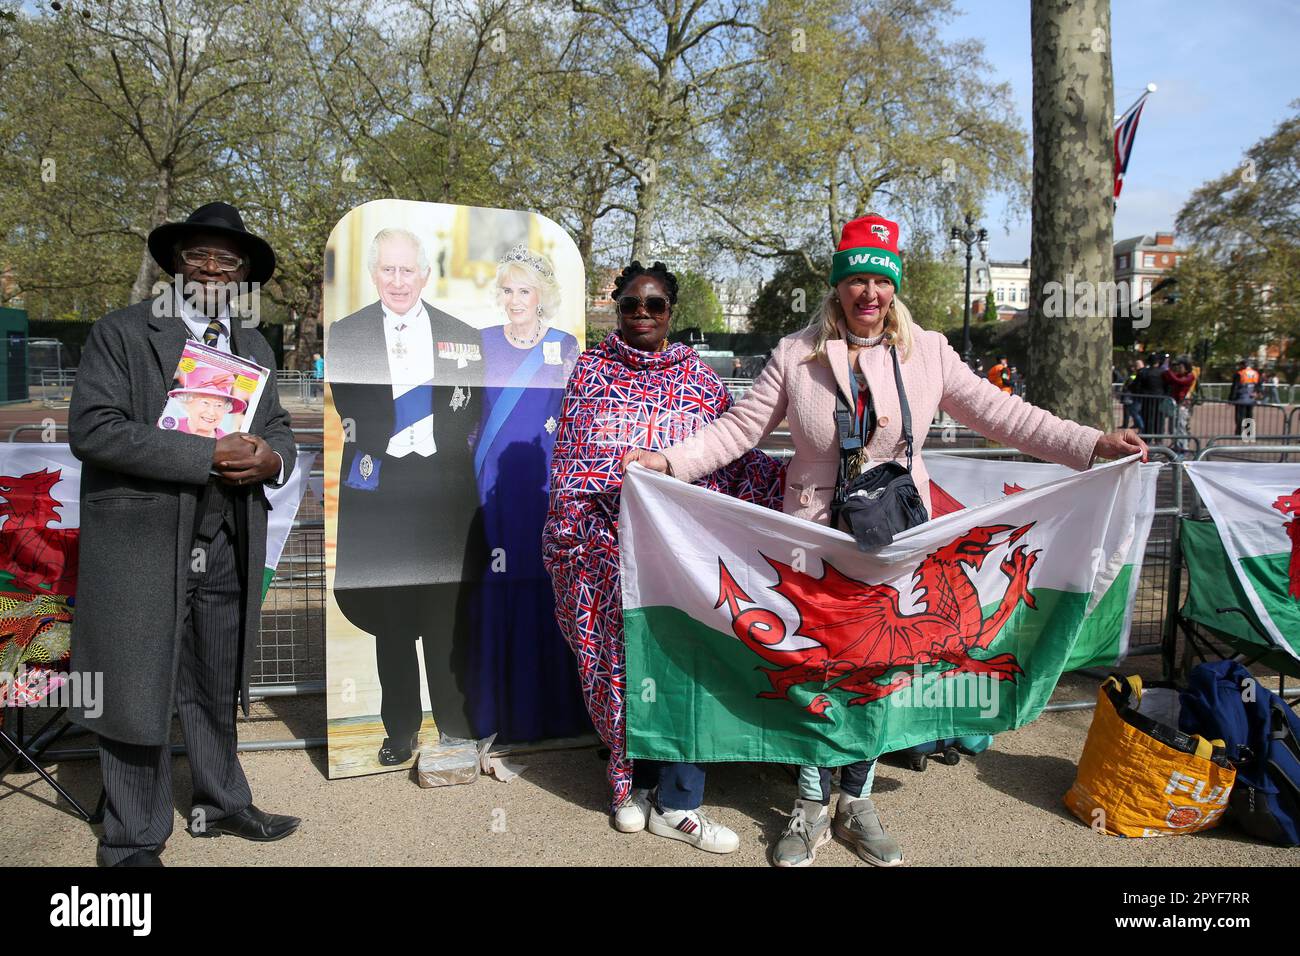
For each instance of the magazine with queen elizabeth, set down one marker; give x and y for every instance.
(213, 393)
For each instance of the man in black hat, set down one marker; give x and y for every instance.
(172, 545)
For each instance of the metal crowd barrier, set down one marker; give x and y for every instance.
(56, 386)
(290, 658)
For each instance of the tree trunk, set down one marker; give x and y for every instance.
(1073, 211)
(148, 272)
(647, 205)
(308, 337)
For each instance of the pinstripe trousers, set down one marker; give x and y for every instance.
(137, 778)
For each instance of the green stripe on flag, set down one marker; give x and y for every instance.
(1268, 575)
(692, 692)
(1098, 643)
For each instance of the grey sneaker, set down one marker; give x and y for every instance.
(808, 831)
(858, 824)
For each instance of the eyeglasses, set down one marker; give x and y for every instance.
(654, 304)
(226, 262)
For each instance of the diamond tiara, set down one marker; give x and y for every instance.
(522, 253)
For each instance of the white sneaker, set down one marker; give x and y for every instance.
(632, 812)
(692, 826)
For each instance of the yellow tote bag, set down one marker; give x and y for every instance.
(1139, 776)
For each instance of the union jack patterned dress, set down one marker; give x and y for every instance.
(620, 398)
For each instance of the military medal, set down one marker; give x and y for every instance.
(398, 349)
(458, 399)
(550, 425)
(367, 467)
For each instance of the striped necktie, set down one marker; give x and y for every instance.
(215, 328)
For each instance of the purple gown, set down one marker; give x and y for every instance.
(522, 685)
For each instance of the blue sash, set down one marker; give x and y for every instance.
(412, 406)
(510, 394)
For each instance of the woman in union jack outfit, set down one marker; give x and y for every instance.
(633, 390)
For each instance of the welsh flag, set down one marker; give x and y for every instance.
(958, 482)
(1256, 512)
(752, 635)
(40, 518)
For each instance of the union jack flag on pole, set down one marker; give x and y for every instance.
(1126, 128)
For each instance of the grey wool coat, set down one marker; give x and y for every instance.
(140, 486)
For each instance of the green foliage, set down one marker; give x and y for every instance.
(1217, 303)
(793, 296)
(1243, 289)
(860, 105)
(990, 307)
(931, 287)
(616, 121)
(697, 306)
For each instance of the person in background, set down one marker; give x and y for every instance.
(1000, 375)
(1017, 382)
(1180, 380)
(1151, 392)
(1128, 397)
(1245, 392)
(317, 374)
(1274, 390)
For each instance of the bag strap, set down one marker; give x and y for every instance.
(847, 428)
(903, 406)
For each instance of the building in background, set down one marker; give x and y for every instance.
(601, 316)
(1141, 261)
(736, 296)
(1007, 279)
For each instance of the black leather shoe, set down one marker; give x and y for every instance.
(251, 824)
(393, 753)
(141, 858)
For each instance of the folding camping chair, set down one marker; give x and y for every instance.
(30, 750)
(41, 640)
(1216, 620)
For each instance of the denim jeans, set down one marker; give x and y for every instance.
(856, 780)
(680, 785)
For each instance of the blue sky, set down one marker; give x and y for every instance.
(1226, 73)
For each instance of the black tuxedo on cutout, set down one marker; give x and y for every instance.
(409, 549)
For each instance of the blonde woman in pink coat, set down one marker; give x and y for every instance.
(859, 321)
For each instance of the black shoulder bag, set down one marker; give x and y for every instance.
(881, 502)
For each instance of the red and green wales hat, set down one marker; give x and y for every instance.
(869, 245)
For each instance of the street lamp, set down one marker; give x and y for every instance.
(969, 237)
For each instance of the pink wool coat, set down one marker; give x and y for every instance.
(803, 391)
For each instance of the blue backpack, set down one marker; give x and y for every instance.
(1261, 737)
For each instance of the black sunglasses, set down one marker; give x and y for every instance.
(654, 304)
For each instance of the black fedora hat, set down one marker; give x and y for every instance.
(219, 218)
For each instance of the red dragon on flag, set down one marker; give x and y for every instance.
(1290, 505)
(859, 632)
(35, 607)
(39, 557)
